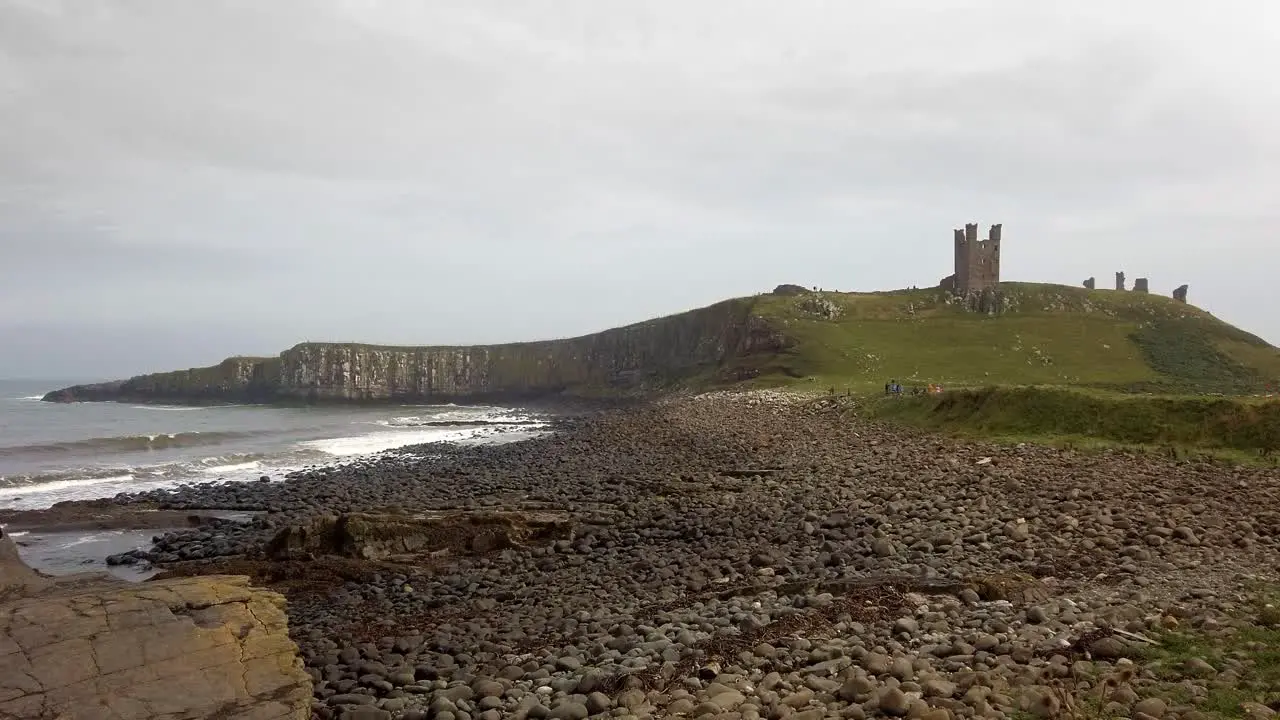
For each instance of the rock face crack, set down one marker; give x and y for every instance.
(102, 649)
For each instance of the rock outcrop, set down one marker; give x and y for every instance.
(379, 537)
(789, 289)
(89, 647)
(714, 339)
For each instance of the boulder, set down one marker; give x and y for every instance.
(1018, 588)
(16, 579)
(92, 647)
(379, 537)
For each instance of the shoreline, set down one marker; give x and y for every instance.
(728, 553)
(236, 449)
(115, 533)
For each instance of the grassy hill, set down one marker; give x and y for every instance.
(1045, 335)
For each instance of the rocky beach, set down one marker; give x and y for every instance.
(750, 555)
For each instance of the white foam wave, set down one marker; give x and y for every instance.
(58, 485)
(30, 397)
(251, 465)
(477, 415)
(383, 441)
(46, 494)
(509, 418)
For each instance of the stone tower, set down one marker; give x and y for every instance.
(1120, 281)
(1091, 283)
(1141, 285)
(977, 261)
(1180, 293)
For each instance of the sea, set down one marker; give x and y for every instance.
(51, 452)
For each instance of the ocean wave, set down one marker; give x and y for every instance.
(30, 397)
(390, 440)
(42, 491)
(182, 469)
(462, 417)
(232, 467)
(422, 422)
(64, 484)
(125, 443)
(187, 408)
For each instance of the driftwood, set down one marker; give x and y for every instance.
(750, 472)
(1134, 636)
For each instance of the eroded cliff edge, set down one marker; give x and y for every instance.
(720, 341)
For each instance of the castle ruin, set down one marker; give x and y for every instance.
(1141, 285)
(976, 279)
(977, 262)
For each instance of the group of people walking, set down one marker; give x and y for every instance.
(893, 387)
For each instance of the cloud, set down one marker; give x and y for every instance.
(260, 173)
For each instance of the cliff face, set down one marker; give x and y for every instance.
(717, 339)
(238, 380)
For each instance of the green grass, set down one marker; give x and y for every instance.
(1251, 650)
(1058, 365)
(1239, 427)
(1243, 669)
(1046, 335)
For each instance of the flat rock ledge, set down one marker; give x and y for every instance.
(90, 647)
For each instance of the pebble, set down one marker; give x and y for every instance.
(893, 701)
(569, 711)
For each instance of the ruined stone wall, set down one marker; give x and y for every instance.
(1180, 293)
(627, 358)
(1141, 285)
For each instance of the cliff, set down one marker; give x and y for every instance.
(91, 647)
(1020, 334)
(716, 340)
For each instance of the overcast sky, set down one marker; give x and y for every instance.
(183, 180)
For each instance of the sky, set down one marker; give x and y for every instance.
(185, 180)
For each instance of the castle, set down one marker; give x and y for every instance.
(977, 268)
(977, 261)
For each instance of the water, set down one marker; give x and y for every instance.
(50, 452)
